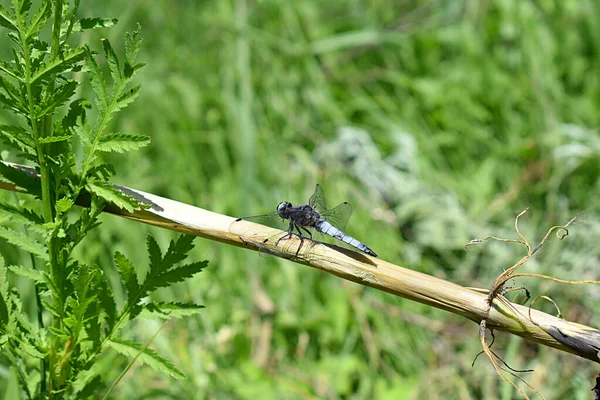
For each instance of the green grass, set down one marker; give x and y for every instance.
(439, 122)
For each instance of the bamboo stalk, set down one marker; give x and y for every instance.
(470, 303)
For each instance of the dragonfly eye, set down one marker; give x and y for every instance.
(284, 205)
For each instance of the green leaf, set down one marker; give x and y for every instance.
(9, 70)
(126, 98)
(55, 139)
(18, 137)
(60, 64)
(102, 172)
(128, 276)
(91, 388)
(97, 81)
(93, 23)
(63, 205)
(154, 254)
(168, 310)
(113, 196)
(39, 19)
(57, 99)
(178, 274)
(145, 356)
(22, 216)
(178, 250)
(24, 7)
(121, 142)
(24, 242)
(13, 101)
(133, 41)
(23, 180)
(29, 273)
(107, 300)
(4, 295)
(7, 20)
(112, 61)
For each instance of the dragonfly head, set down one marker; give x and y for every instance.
(283, 209)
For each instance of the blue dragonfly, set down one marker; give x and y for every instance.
(304, 221)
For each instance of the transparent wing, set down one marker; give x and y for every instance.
(272, 220)
(339, 216)
(317, 200)
(268, 244)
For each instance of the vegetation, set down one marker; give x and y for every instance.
(438, 121)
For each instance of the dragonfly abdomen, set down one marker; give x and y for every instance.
(327, 228)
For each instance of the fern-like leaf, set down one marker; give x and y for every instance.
(168, 310)
(39, 19)
(32, 274)
(18, 138)
(7, 20)
(112, 61)
(59, 64)
(24, 242)
(128, 276)
(5, 303)
(145, 356)
(113, 196)
(57, 99)
(121, 142)
(174, 275)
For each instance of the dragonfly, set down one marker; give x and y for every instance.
(304, 221)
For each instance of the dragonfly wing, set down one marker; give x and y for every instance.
(317, 200)
(339, 215)
(272, 220)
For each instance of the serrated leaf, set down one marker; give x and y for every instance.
(7, 20)
(24, 242)
(178, 250)
(121, 142)
(102, 172)
(91, 388)
(10, 90)
(145, 356)
(63, 205)
(97, 81)
(167, 310)
(178, 274)
(39, 19)
(107, 300)
(25, 6)
(55, 139)
(22, 216)
(9, 70)
(57, 99)
(127, 98)
(93, 23)
(29, 273)
(113, 196)
(154, 254)
(133, 41)
(131, 70)
(60, 64)
(18, 137)
(31, 350)
(128, 276)
(21, 179)
(112, 61)
(4, 296)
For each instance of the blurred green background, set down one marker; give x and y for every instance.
(439, 121)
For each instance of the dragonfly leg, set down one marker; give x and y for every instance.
(289, 234)
(307, 231)
(301, 240)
